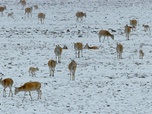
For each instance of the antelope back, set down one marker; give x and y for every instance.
(128, 29)
(119, 48)
(72, 65)
(106, 33)
(2, 8)
(41, 15)
(58, 50)
(8, 82)
(28, 10)
(52, 64)
(78, 46)
(133, 22)
(80, 14)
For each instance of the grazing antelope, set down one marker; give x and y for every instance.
(141, 54)
(28, 11)
(36, 7)
(52, 65)
(105, 33)
(58, 52)
(23, 3)
(32, 71)
(78, 48)
(10, 15)
(146, 28)
(80, 15)
(119, 50)
(2, 8)
(28, 87)
(133, 23)
(7, 82)
(90, 47)
(127, 31)
(72, 67)
(41, 17)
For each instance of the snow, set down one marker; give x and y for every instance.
(104, 84)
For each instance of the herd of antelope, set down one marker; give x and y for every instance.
(78, 47)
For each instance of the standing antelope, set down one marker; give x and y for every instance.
(41, 17)
(146, 28)
(28, 87)
(80, 15)
(141, 54)
(90, 47)
(119, 50)
(133, 23)
(32, 71)
(58, 52)
(72, 67)
(7, 82)
(78, 48)
(52, 65)
(127, 31)
(28, 11)
(2, 8)
(105, 33)
(23, 3)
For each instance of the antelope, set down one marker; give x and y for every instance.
(58, 52)
(41, 17)
(65, 47)
(141, 54)
(146, 28)
(119, 50)
(10, 15)
(72, 67)
(7, 82)
(80, 15)
(23, 3)
(2, 8)
(36, 6)
(127, 31)
(28, 87)
(133, 23)
(32, 71)
(105, 33)
(90, 47)
(78, 48)
(52, 65)
(28, 10)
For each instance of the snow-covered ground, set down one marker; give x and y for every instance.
(104, 84)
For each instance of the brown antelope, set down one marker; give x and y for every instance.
(2, 8)
(80, 15)
(32, 71)
(127, 31)
(36, 7)
(41, 17)
(23, 3)
(58, 52)
(28, 87)
(78, 48)
(90, 47)
(146, 28)
(10, 15)
(119, 50)
(28, 11)
(7, 82)
(105, 33)
(52, 65)
(72, 67)
(141, 54)
(133, 23)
